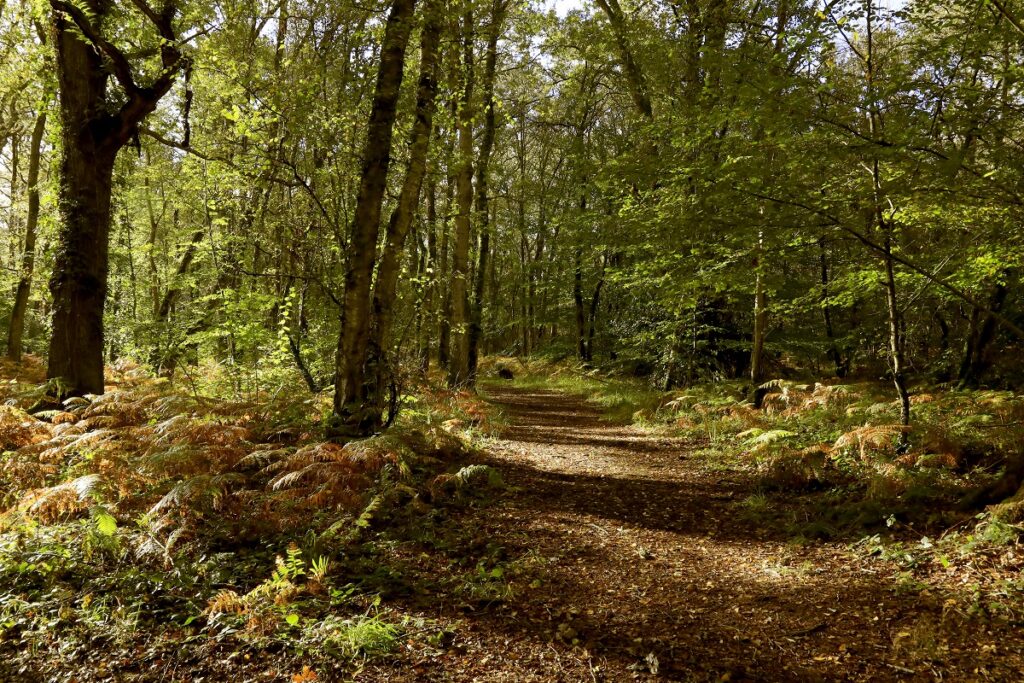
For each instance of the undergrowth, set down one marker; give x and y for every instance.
(154, 525)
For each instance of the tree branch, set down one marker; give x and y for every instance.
(1008, 16)
(920, 270)
(205, 156)
(119, 63)
(161, 22)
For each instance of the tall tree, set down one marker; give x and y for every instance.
(483, 166)
(28, 259)
(93, 130)
(356, 413)
(458, 363)
(386, 285)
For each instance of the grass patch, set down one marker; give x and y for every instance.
(621, 400)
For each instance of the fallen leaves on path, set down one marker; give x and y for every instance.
(650, 574)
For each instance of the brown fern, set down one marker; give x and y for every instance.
(869, 438)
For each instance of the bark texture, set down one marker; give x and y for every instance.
(91, 138)
(386, 286)
(482, 175)
(458, 363)
(350, 389)
(28, 258)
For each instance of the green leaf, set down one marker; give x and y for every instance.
(292, 619)
(105, 523)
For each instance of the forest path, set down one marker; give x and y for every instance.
(649, 571)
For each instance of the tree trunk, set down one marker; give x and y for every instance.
(524, 240)
(577, 299)
(634, 76)
(166, 362)
(154, 228)
(536, 273)
(896, 344)
(293, 342)
(896, 359)
(28, 259)
(428, 312)
(595, 303)
(384, 292)
(444, 332)
(760, 327)
(350, 391)
(482, 170)
(78, 285)
(91, 139)
(839, 365)
(458, 365)
(982, 332)
(15, 168)
(163, 311)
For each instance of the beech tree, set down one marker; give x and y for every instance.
(458, 363)
(16, 330)
(381, 360)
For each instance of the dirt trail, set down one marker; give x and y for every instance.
(650, 572)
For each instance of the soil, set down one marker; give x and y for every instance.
(646, 568)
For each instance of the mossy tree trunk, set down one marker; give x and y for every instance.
(91, 137)
(351, 401)
(28, 258)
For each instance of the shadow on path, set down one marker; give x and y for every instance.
(639, 568)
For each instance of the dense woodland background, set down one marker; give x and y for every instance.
(309, 222)
(689, 191)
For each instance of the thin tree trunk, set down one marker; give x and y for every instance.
(444, 334)
(577, 298)
(154, 227)
(760, 326)
(350, 391)
(838, 364)
(896, 358)
(293, 342)
(524, 295)
(524, 241)
(595, 303)
(428, 312)
(482, 172)
(982, 332)
(386, 285)
(943, 329)
(166, 361)
(12, 207)
(458, 366)
(170, 298)
(536, 272)
(28, 258)
(896, 341)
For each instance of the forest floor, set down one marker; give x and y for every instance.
(645, 567)
(552, 528)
